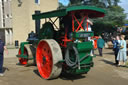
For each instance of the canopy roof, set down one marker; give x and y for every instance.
(92, 12)
(125, 24)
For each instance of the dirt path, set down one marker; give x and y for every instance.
(104, 72)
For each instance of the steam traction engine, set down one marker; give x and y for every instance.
(60, 49)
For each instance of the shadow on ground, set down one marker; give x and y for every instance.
(36, 72)
(64, 76)
(108, 62)
(110, 53)
(5, 68)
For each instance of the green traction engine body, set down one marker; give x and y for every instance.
(61, 44)
(77, 55)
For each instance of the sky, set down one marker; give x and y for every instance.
(124, 4)
(65, 2)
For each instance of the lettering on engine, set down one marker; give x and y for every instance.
(84, 35)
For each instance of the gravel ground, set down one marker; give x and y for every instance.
(104, 72)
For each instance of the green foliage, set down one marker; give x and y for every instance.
(100, 25)
(113, 17)
(75, 1)
(61, 6)
(126, 21)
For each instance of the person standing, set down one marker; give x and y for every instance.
(116, 47)
(2, 48)
(92, 51)
(100, 45)
(122, 55)
(87, 22)
(89, 25)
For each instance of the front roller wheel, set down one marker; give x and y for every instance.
(48, 55)
(23, 61)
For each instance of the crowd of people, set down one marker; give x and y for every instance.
(119, 48)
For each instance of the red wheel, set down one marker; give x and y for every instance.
(46, 58)
(23, 61)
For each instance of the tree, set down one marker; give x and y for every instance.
(75, 1)
(113, 17)
(116, 2)
(100, 3)
(61, 6)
